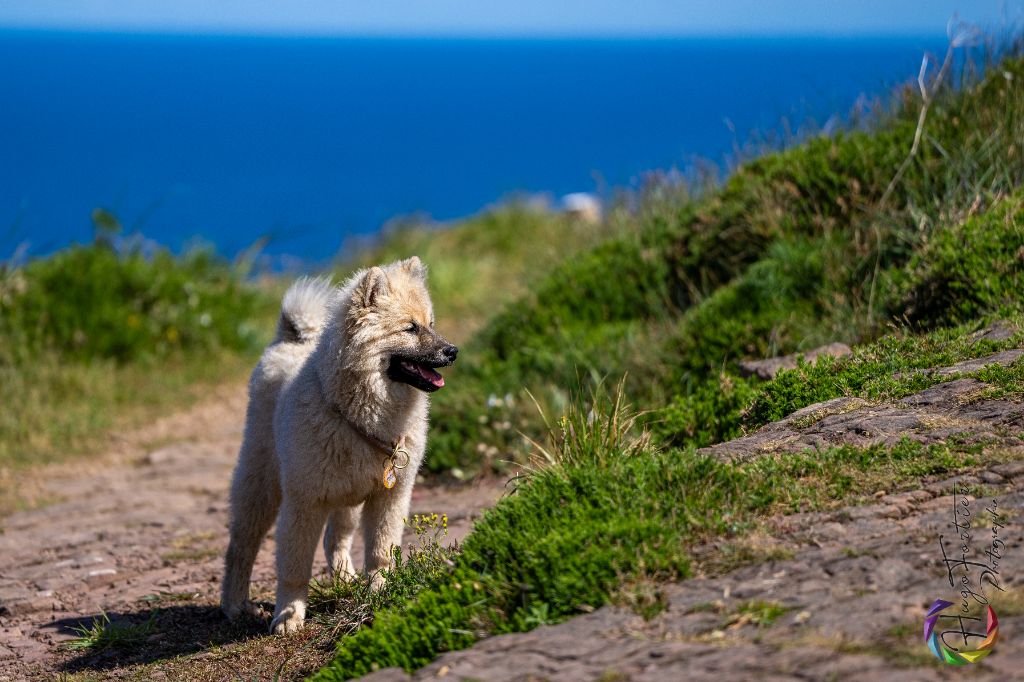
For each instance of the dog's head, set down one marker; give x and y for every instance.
(392, 319)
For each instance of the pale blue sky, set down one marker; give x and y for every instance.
(511, 17)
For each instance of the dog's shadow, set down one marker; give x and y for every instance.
(117, 639)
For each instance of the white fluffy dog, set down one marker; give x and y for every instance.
(337, 423)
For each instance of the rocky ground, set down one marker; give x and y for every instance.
(846, 601)
(140, 534)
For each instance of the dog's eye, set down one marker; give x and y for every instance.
(413, 328)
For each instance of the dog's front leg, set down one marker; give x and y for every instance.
(341, 527)
(298, 529)
(384, 516)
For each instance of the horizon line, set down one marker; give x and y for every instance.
(482, 35)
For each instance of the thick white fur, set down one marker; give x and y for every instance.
(301, 458)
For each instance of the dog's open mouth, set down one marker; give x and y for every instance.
(416, 373)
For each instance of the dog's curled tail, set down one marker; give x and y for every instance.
(305, 309)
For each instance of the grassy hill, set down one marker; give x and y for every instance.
(797, 248)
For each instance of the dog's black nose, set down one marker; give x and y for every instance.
(450, 352)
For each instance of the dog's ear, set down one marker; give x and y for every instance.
(415, 267)
(374, 285)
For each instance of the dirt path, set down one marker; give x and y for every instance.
(141, 531)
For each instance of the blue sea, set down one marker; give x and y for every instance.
(312, 141)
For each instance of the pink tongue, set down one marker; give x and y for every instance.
(430, 375)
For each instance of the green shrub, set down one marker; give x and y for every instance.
(709, 415)
(92, 339)
(795, 249)
(970, 270)
(89, 302)
(778, 304)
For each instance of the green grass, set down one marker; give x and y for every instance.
(345, 605)
(757, 613)
(56, 408)
(889, 369)
(970, 270)
(685, 371)
(103, 634)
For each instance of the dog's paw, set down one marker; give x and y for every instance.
(253, 610)
(242, 609)
(342, 568)
(377, 581)
(287, 622)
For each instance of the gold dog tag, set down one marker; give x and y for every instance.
(390, 477)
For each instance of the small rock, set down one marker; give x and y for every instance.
(945, 395)
(54, 583)
(79, 562)
(582, 206)
(1004, 358)
(1000, 330)
(866, 512)
(387, 675)
(832, 529)
(944, 488)
(102, 571)
(991, 477)
(100, 578)
(767, 369)
(1010, 469)
(818, 411)
(30, 603)
(892, 512)
(160, 456)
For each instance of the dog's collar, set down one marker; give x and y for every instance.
(378, 443)
(395, 453)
